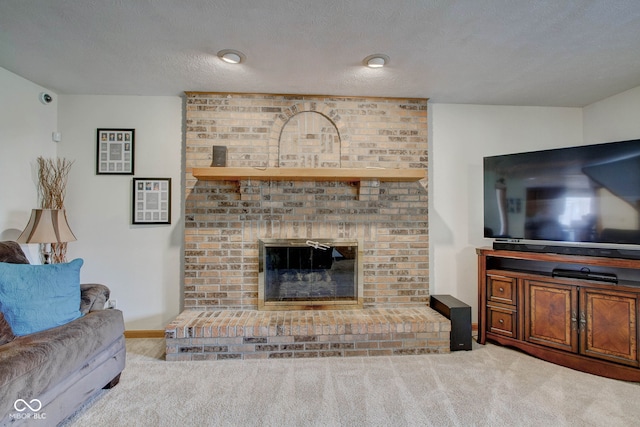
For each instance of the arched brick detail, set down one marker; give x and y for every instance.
(289, 113)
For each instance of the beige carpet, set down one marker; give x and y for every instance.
(489, 386)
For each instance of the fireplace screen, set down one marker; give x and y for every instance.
(299, 274)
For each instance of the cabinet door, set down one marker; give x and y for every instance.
(608, 325)
(551, 314)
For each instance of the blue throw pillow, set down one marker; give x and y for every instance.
(38, 297)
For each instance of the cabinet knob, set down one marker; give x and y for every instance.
(501, 321)
(501, 289)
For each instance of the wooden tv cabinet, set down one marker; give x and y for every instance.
(584, 324)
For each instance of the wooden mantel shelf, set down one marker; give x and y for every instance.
(308, 174)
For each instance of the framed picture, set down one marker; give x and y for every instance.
(151, 201)
(115, 151)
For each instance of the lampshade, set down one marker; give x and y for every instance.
(47, 226)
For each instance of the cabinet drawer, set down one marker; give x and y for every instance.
(501, 289)
(501, 321)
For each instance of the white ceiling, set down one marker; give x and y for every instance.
(510, 52)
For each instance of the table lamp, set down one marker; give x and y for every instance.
(47, 226)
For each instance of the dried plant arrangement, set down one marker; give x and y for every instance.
(52, 185)
(52, 182)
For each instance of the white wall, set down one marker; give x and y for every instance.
(140, 263)
(460, 136)
(26, 127)
(616, 118)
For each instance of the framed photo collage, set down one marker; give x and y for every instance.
(151, 197)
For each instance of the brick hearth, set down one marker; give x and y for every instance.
(251, 334)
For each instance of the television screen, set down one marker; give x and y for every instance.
(587, 194)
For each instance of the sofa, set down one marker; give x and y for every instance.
(49, 374)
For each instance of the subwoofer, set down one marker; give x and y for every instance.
(460, 315)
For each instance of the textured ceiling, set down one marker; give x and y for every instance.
(509, 52)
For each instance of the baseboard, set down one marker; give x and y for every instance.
(474, 327)
(144, 334)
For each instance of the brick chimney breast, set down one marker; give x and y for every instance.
(224, 220)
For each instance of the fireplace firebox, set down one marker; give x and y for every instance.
(309, 274)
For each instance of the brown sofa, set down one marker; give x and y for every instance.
(48, 375)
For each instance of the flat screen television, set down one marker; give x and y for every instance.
(587, 196)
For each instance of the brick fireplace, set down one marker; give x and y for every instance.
(226, 219)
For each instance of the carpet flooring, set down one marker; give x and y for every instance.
(488, 386)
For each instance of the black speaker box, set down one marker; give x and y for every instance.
(460, 315)
(219, 156)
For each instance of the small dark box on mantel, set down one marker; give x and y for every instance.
(219, 156)
(460, 315)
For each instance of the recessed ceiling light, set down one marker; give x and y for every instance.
(231, 56)
(377, 60)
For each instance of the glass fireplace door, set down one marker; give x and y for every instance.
(309, 272)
